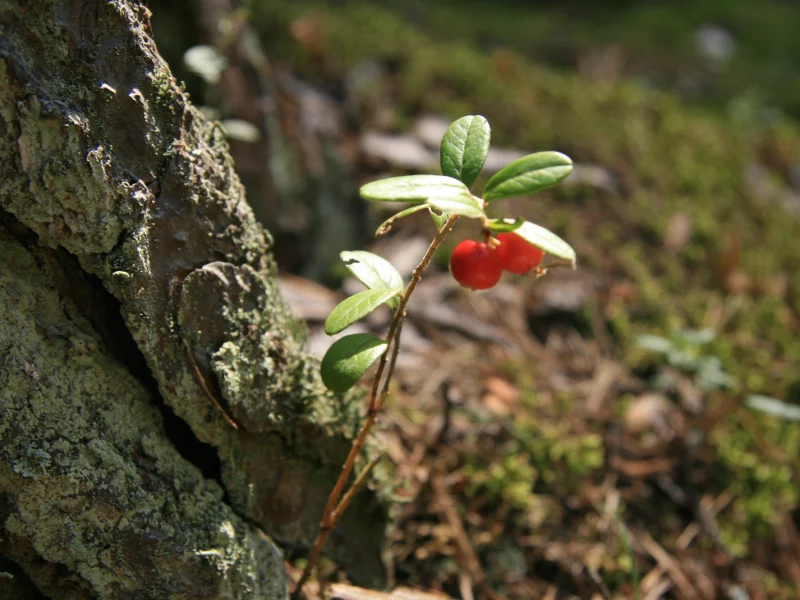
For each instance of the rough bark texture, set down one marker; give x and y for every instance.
(115, 195)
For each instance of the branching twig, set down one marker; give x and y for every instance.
(376, 399)
(351, 493)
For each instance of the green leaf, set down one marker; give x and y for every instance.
(240, 130)
(439, 218)
(348, 359)
(386, 226)
(504, 225)
(464, 148)
(696, 337)
(464, 205)
(356, 307)
(711, 376)
(528, 175)
(412, 188)
(654, 343)
(373, 271)
(207, 62)
(774, 407)
(545, 240)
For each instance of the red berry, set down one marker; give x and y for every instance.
(474, 265)
(516, 255)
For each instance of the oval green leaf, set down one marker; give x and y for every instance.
(463, 205)
(348, 359)
(464, 148)
(356, 307)
(386, 226)
(528, 175)
(412, 188)
(373, 271)
(207, 62)
(774, 407)
(545, 240)
(504, 225)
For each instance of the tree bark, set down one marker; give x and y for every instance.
(149, 455)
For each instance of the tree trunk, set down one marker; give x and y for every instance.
(147, 455)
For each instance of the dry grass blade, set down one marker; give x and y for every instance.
(466, 556)
(341, 591)
(671, 566)
(658, 590)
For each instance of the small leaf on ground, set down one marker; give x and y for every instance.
(696, 336)
(357, 307)
(240, 130)
(774, 407)
(654, 343)
(348, 359)
(545, 240)
(207, 62)
(464, 148)
(373, 271)
(464, 205)
(412, 188)
(528, 175)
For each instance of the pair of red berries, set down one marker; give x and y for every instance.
(479, 266)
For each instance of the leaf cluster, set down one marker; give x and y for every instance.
(463, 153)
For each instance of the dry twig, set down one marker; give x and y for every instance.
(469, 563)
(670, 565)
(206, 388)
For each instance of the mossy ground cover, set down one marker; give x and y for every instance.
(748, 60)
(551, 483)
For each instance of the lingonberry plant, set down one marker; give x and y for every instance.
(510, 244)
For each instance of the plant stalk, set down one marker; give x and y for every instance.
(376, 399)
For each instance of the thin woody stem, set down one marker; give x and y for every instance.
(390, 369)
(376, 398)
(362, 477)
(351, 493)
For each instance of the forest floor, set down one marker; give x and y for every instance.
(626, 430)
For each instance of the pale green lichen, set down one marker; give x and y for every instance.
(86, 463)
(66, 193)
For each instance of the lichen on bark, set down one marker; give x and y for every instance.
(102, 155)
(96, 501)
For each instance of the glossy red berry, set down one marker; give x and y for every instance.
(516, 255)
(475, 265)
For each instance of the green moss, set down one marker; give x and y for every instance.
(509, 479)
(764, 487)
(669, 157)
(543, 454)
(58, 185)
(163, 89)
